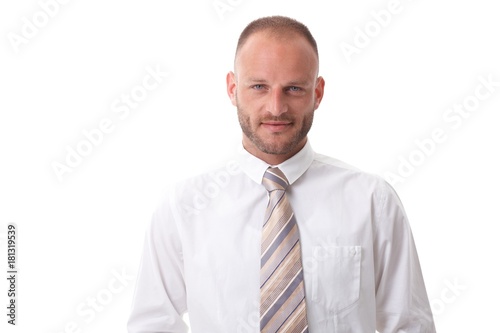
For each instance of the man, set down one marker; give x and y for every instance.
(280, 239)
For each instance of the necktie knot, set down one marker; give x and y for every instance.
(274, 179)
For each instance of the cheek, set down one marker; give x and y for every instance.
(248, 99)
(302, 107)
(251, 106)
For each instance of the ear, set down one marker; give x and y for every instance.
(318, 91)
(231, 87)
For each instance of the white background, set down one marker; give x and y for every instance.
(75, 235)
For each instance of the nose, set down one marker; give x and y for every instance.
(276, 104)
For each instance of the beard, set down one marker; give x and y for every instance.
(275, 147)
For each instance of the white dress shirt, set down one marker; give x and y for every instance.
(202, 252)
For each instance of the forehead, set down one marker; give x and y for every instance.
(277, 55)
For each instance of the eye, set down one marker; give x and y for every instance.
(258, 86)
(294, 89)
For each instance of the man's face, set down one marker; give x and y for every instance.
(276, 91)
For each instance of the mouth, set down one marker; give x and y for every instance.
(276, 126)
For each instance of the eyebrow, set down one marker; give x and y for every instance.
(251, 79)
(291, 83)
(297, 83)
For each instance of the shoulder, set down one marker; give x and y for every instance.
(333, 163)
(359, 185)
(348, 173)
(352, 180)
(219, 174)
(201, 186)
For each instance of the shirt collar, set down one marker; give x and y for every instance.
(293, 168)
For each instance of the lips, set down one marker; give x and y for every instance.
(276, 126)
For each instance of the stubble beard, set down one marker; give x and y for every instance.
(274, 148)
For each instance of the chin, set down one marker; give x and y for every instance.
(278, 148)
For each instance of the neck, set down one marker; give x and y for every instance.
(272, 159)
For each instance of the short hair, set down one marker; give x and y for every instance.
(278, 26)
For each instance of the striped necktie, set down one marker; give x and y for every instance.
(282, 305)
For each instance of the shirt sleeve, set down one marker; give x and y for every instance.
(160, 294)
(401, 297)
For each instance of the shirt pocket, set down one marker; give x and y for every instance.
(336, 278)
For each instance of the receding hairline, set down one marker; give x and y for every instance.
(279, 27)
